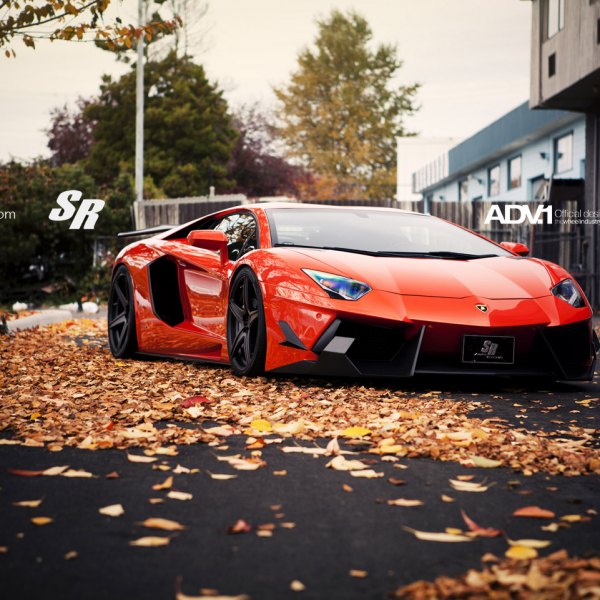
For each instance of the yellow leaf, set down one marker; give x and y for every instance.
(165, 485)
(41, 520)
(261, 425)
(468, 486)
(571, 518)
(150, 541)
(166, 524)
(113, 510)
(52, 471)
(521, 552)
(29, 503)
(447, 498)
(354, 432)
(530, 543)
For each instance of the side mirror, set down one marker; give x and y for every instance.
(516, 248)
(209, 239)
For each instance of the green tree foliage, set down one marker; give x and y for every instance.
(72, 20)
(188, 135)
(343, 108)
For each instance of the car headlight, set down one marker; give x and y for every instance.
(338, 287)
(567, 290)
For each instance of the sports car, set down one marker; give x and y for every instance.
(352, 291)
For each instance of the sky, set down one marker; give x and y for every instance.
(471, 57)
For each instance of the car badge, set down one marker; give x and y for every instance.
(482, 307)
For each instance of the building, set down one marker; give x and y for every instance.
(512, 159)
(412, 153)
(565, 74)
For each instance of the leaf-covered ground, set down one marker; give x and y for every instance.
(61, 386)
(188, 430)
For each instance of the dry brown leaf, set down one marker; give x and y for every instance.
(366, 474)
(150, 541)
(359, 574)
(297, 586)
(29, 503)
(159, 523)
(71, 554)
(175, 495)
(42, 520)
(137, 458)
(430, 536)
(165, 485)
(221, 476)
(113, 510)
(405, 502)
(534, 512)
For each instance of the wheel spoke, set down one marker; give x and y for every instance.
(119, 320)
(122, 298)
(246, 292)
(247, 348)
(252, 317)
(237, 311)
(239, 342)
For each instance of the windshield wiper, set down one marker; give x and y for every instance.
(457, 255)
(338, 248)
(435, 254)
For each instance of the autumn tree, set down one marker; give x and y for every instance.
(343, 108)
(257, 165)
(70, 135)
(72, 20)
(188, 134)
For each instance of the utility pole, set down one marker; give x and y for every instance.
(139, 109)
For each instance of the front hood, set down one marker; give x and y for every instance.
(495, 278)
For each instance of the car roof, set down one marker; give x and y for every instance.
(307, 205)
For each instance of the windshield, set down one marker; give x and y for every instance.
(376, 232)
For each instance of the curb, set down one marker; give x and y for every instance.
(46, 317)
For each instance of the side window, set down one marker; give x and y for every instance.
(241, 232)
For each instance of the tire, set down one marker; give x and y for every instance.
(122, 337)
(246, 331)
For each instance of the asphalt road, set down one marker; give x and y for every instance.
(335, 531)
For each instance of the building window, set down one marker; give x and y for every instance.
(556, 16)
(539, 189)
(463, 190)
(494, 180)
(514, 173)
(563, 153)
(552, 65)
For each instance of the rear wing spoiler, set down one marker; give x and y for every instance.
(148, 231)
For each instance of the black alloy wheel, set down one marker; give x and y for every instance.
(122, 337)
(246, 335)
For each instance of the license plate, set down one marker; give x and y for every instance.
(498, 350)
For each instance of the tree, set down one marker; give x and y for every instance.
(29, 191)
(71, 20)
(188, 135)
(70, 135)
(256, 165)
(342, 109)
